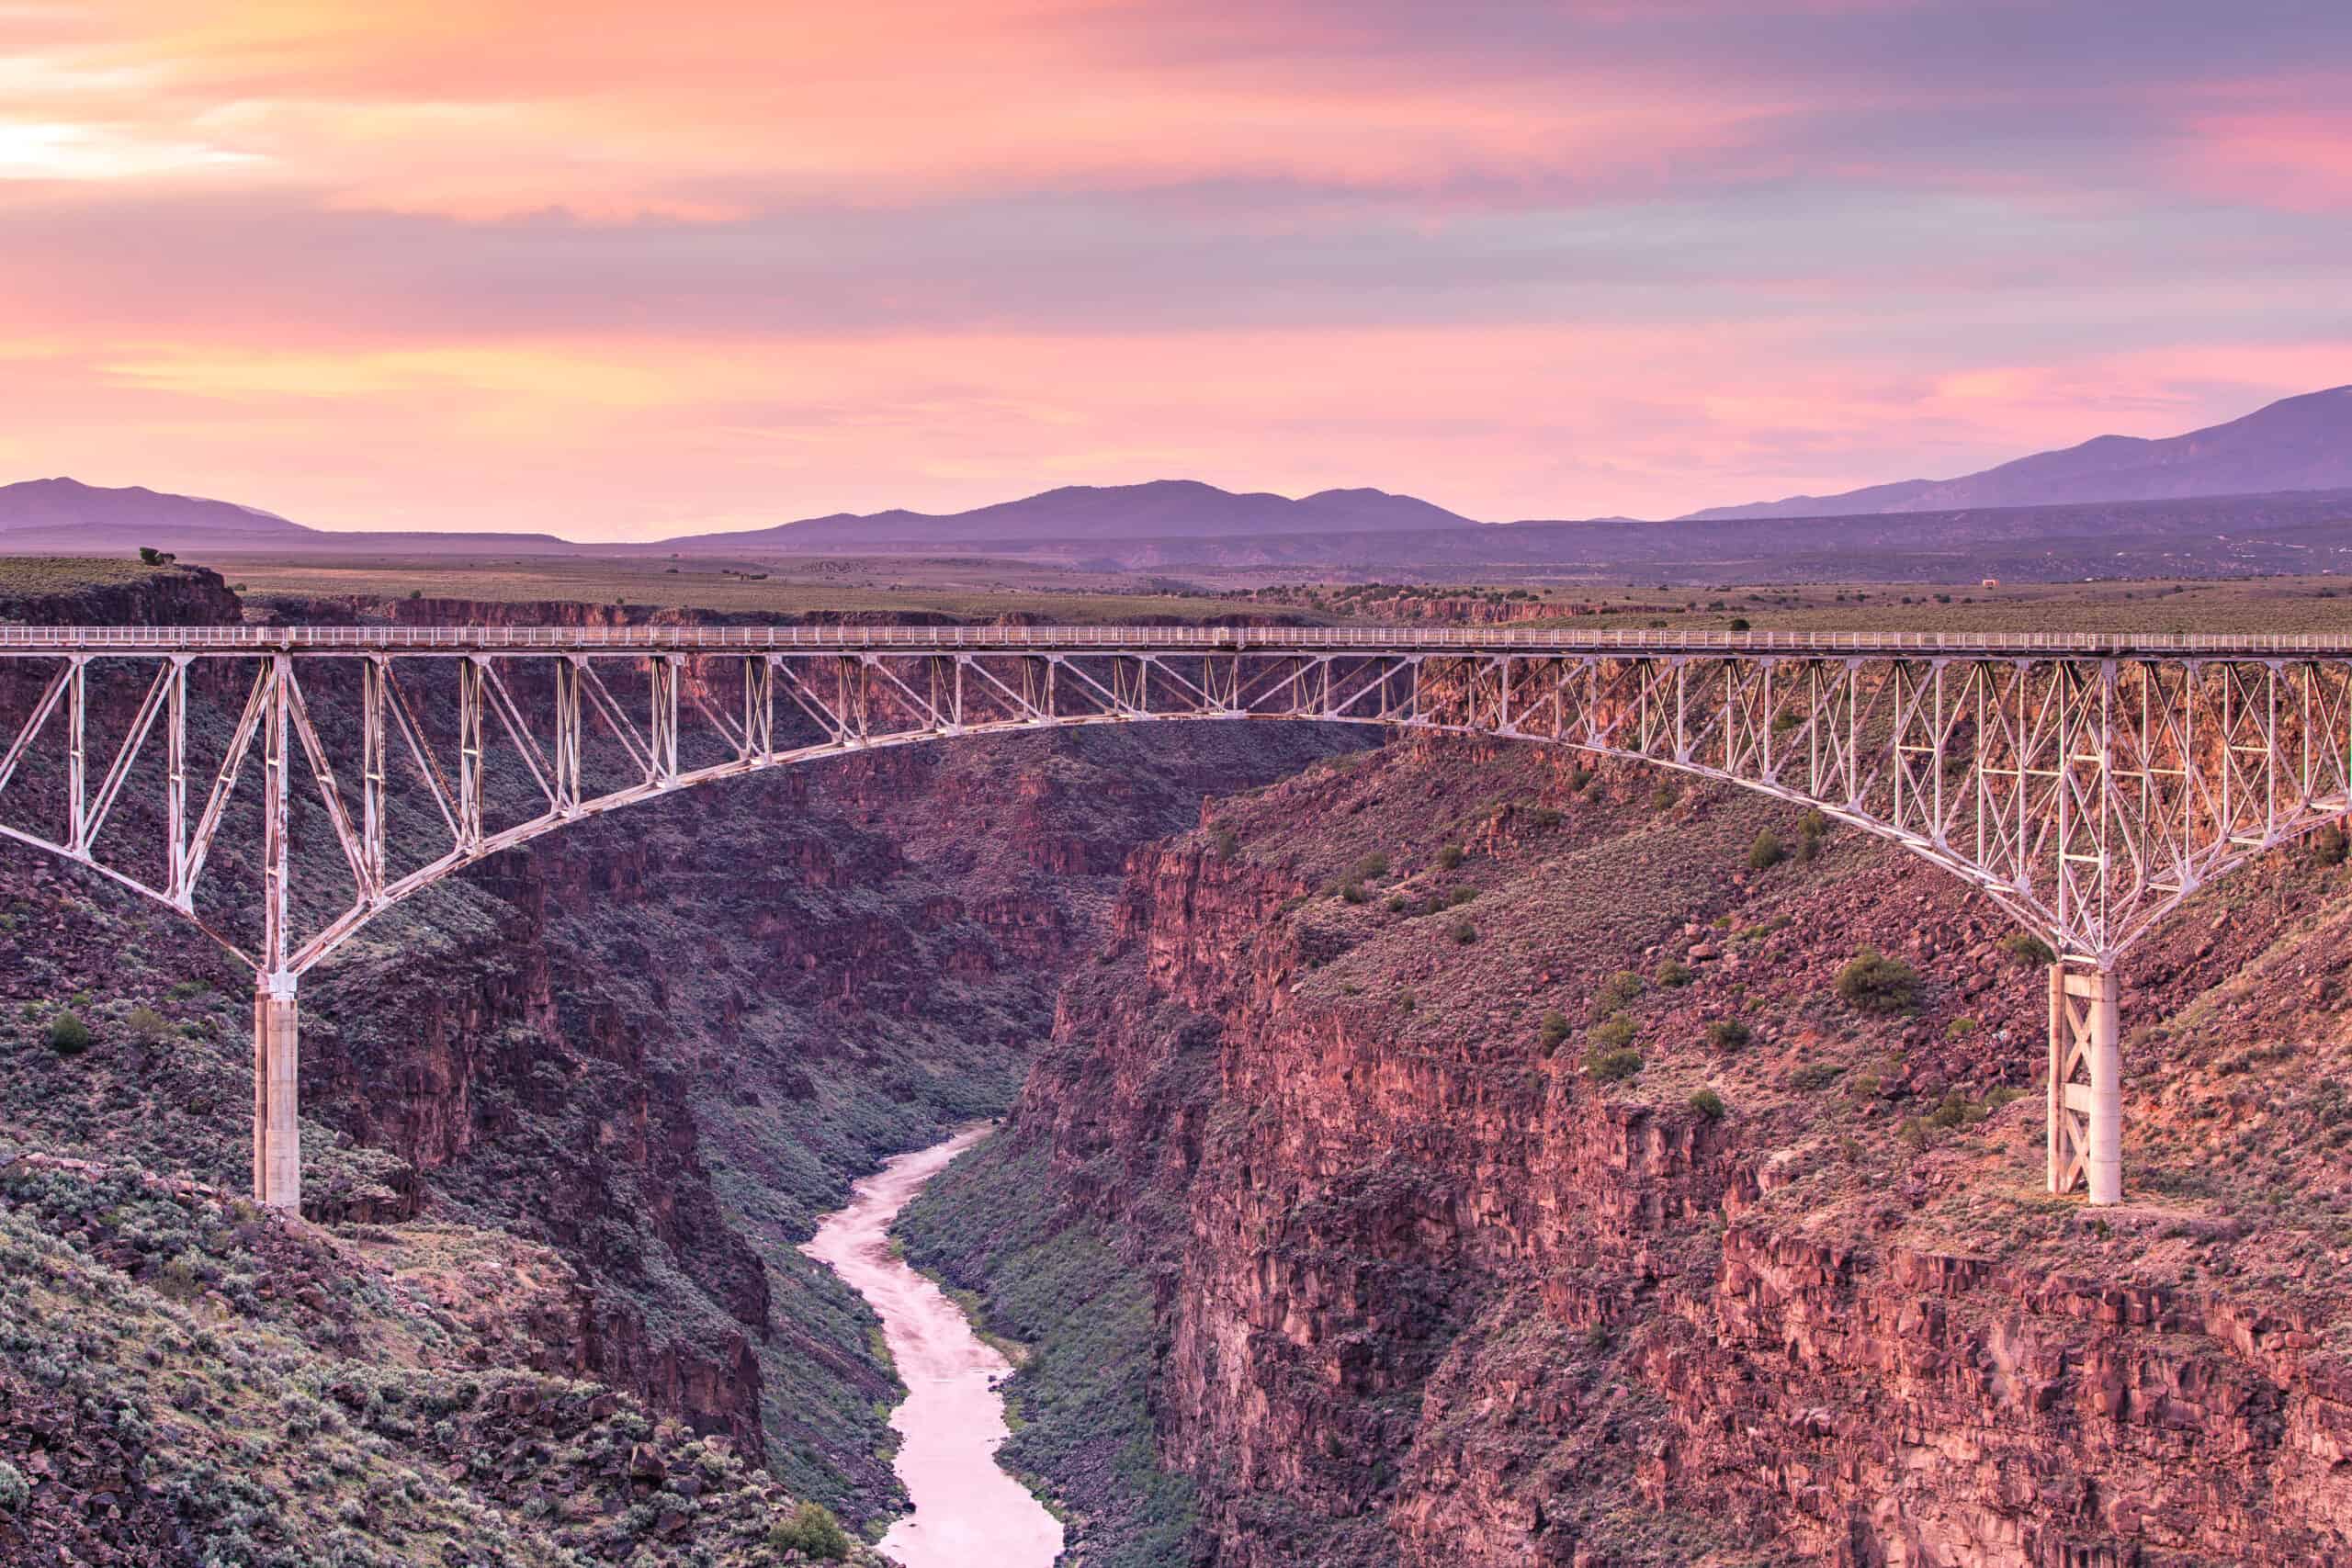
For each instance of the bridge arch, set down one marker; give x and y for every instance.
(2086, 785)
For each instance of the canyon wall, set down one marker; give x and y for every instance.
(655, 1045)
(1475, 1239)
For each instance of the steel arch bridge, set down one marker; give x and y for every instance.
(2086, 785)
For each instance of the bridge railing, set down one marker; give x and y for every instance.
(223, 639)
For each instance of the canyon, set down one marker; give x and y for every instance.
(1425, 1284)
(1379, 1184)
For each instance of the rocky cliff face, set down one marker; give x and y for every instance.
(40, 592)
(1463, 1277)
(662, 1043)
(657, 1045)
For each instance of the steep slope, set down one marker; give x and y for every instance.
(647, 1052)
(2301, 443)
(1409, 1095)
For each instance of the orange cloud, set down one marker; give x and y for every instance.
(624, 110)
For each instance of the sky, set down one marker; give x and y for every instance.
(616, 270)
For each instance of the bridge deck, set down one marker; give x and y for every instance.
(52, 642)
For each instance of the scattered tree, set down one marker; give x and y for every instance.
(1616, 991)
(1872, 982)
(2028, 949)
(1554, 1030)
(813, 1530)
(1708, 1104)
(1612, 1067)
(68, 1036)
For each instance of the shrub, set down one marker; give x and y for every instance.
(1397, 903)
(150, 556)
(1354, 893)
(14, 1491)
(68, 1036)
(1448, 857)
(1708, 1104)
(1814, 824)
(1612, 1033)
(1960, 1028)
(1808, 850)
(812, 1529)
(1739, 623)
(1814, 1075)
(1766, 852)
(1727, 1034)
(1371, 868)
(1226, 841)
(2029, 949)
(2329, 846)
(1663, 797)
(1406, 1001)
(1554, 1028)
(1465, 933)
(1674, 972)
(146, 1025)
(1617, 990)
(1872, 982)
(1612, 1067)
(419, 594)
(1459, 896)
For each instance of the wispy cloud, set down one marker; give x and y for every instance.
(435, 261)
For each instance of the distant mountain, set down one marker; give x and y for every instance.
(69, 515)
(64, 516)
(2296, 443)
(1162, 509)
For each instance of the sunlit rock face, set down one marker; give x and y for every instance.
(1445, 1292)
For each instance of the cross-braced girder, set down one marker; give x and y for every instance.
(281, 788)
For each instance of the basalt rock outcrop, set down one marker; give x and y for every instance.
(1441, 1279)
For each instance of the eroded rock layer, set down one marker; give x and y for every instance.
(1538, 1198)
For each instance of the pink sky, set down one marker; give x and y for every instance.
(658, 268)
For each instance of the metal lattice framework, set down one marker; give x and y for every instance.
(2086, 785)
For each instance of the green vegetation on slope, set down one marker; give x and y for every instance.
(183, 1379)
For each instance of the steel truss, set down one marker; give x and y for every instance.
(2087, 792)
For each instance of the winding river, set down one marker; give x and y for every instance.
(968, 1511)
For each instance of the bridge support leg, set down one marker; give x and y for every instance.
(277, 1143)
(2086, 1084)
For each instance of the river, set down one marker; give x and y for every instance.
(967, 1512)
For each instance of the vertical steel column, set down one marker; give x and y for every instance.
(278, 1152)
(373, 771)
(176, 776)
(2085, 1131)
(77, 772)
(570, 732)
(472, 701)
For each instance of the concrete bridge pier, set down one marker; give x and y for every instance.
(2085, 1083)
(277, 1141)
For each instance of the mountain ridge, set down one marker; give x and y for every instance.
(2302, 442)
